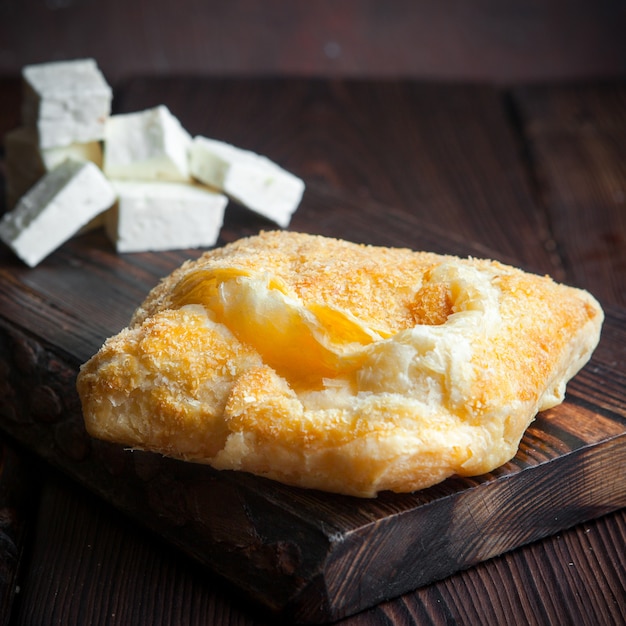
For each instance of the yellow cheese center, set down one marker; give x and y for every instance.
(300, 341)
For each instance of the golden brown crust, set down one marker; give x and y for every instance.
(326, 364)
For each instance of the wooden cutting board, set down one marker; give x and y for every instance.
(310, 556)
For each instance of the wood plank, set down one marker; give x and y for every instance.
(55, 316)
(19, 489)
(140, 580)
(577, 139)
(295, 534)
(549, 582)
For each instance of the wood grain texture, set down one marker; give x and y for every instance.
(577, 140)
(143, 582)
(19, 491)
(304, 554)
(100, 568)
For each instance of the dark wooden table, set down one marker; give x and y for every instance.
(535, 175)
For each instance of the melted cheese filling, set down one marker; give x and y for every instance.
(311, 344)
(301, 342)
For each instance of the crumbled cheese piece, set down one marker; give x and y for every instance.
(57, 207)
(248, 178)
(26, 162)
(164, 216)
(148, 145)
(66, 102)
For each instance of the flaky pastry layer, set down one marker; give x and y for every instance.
(327, 364)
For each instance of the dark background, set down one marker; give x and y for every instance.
(476, 40)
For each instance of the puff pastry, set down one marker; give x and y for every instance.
(342, 367)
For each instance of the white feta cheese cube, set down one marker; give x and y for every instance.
(148, 145)
(26, 162)
(151, 216)
(66, 102)
(248, 178)
(57, 207)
